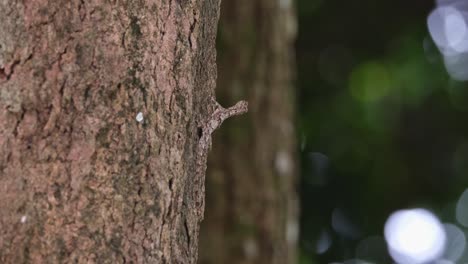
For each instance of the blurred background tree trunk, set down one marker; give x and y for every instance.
(99, 107)
(252, 209)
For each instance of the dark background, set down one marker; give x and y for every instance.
(382, 125)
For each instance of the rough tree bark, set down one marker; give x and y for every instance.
(251, 214)
(85, 178)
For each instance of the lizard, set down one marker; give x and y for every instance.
(217, 117)
(205, 130)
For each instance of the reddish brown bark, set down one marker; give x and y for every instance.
(81, 180)
(251, 213)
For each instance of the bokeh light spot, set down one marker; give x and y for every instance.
(443, 261)
(455, 27)
(461, 211)
(342, 225)
(457, 66)
(370, 81)
(324, 242)
(456, 242)
(448, 28)
(414, 236)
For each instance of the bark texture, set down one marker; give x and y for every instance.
(82, 179)
(251, 208)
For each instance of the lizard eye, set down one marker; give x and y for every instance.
(200, 132)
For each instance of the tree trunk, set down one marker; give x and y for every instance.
(99, 107)
(251, 214)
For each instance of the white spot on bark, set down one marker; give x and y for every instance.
(250, 248)
(139, 117)
(23, 219)
(283, 163)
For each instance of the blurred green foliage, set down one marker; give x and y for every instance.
(376, 102)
